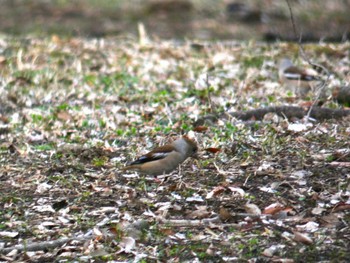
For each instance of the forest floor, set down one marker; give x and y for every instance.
(74, 111)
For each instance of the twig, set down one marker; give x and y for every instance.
(219, 170)
(293, 22)
(246, 180)
(189, 223)
(210, 222)
(169, 114)
(208, 91)
(314, 65)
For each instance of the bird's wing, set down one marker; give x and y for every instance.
(156, 154)
(295, 73)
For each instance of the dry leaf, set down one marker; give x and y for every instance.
(42, 188)
(341, 206)
(200, 213)
(238, 190)
(64, 116)
(252, 209)
(298, 127)
(216, 191)
(273, 209)
(213, 150)
(308, 227)
(200, 129)
(8, 234)
(302, 238)
(167, 231)
(128, 244)
(224, 214)
(318, 210)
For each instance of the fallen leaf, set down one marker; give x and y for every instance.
(308, 227)
(224, 214)
(42, 188)
(272, 250)
(252, 209)
(8, 234)
(216, 191)
(212, 150)
(64, 116)
(200, 129)
(167, 231)
(238, 190)
(194, 198)
(341, 206)
(298, 127)
(302, 238)
(273, 209)
(200, 213)
(127, 244)
(97, 233)
(44, 208)
(317, 210)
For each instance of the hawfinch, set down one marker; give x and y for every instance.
(165, 159)
(298, 80)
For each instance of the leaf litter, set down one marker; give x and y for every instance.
(74, 111)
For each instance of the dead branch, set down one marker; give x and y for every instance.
(289, 112)
(44, 245)
(215, 221)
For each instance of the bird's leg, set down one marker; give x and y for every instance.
(162, 178)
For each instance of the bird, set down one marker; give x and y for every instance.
(300, 81)
(166, 158)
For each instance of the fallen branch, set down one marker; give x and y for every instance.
(288, 112)
(44, 245)
(215, 221)
(293, 112)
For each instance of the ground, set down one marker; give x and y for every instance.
(75, 110)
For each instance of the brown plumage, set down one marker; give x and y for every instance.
(164, 159)
(299, 80)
